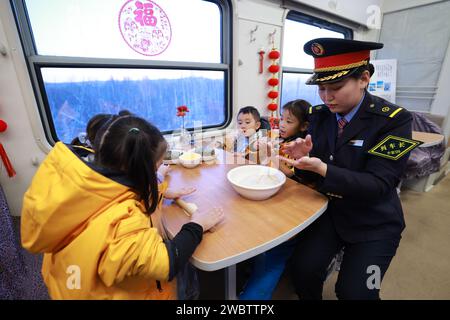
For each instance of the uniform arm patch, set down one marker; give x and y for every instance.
(393, 147)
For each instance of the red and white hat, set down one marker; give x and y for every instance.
(336, 59)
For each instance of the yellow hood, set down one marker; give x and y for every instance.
(64, 195)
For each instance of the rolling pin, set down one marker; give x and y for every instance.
(189, 208)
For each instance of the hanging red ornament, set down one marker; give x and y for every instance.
(273, 94)
(8, 166)
(272, 107)
(274, 68)
(273, 82)
(3, 126)
(274, 123)
(274, 54)
(261, 60)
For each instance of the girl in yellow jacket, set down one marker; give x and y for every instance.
(93, 220)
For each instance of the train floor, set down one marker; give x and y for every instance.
(420, 270)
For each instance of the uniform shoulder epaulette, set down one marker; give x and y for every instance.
(385, 109)
(318, 108)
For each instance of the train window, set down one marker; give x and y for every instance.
(146, 56)
(147, 92)
(294, 87)
(181, 30)
(298, 66)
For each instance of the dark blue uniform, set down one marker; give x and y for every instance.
(364, 214)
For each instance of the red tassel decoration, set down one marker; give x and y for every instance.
(261, 60)
(6, 162)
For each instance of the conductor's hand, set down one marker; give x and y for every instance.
(208, 219)
(306, 163)
(298, 148)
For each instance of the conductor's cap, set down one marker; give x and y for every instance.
(336, 59)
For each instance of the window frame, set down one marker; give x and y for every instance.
(316, 22)
(35, 62)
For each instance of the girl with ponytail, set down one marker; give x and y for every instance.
(98, 218)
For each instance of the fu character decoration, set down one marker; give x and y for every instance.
(8, 166)
(273, 82)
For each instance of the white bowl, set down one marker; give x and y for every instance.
(190, 159)
(256, 182)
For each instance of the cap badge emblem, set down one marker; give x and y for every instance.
(317, 49)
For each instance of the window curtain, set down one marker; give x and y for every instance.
(418, 38)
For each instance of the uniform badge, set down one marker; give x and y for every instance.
(317, 49)
(393, 147)
(356, 143)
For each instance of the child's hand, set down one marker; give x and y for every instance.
(175, 194)
(163, 170)
(208, 219)
(266, 145)
(285, 169)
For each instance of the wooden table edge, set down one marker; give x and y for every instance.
(223, 263)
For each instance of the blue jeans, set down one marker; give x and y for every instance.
(267, 270)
